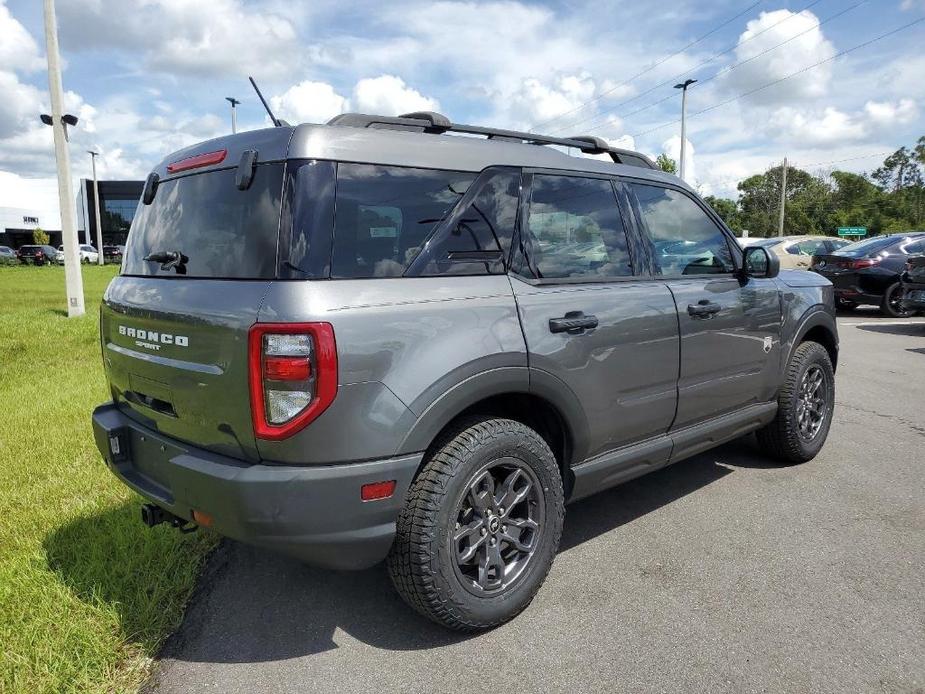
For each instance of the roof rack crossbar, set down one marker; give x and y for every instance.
(437, 123)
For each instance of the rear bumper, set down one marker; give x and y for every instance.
(311, 512)
(913, 297)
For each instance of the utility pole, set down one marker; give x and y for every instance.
(783, 198)
(234, 120)
(72, 277)
(96, 208)
(683, 87)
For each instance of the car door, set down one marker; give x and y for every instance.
(596, 325)
(729, 325)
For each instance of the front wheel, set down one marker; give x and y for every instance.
(891, 306)
(805, 406)
(480, 527)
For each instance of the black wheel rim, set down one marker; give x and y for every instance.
(498, 526)
(895, 301)
(812, 402)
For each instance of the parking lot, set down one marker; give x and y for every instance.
(722, 573)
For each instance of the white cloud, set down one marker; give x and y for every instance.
(18, 50)
(309, 102)
(218, 37)
(536, 101)
(831, 126)
(388, 95)
(887, 113)
(804, 50)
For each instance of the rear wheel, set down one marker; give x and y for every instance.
(805, 406)
(891, 306)
(481, 525)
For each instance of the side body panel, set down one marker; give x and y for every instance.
(402, 344)
(624, 372)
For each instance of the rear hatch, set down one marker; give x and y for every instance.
(174, 325)
(842, 266)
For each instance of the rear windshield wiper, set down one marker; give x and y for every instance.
(168, 260)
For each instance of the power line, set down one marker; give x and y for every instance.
(648, 69)
(733, 66)
(787, 77)
(669, 81)
(840, 161)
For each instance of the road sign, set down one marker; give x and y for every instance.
(852, 231)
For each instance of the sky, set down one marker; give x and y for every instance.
(811, 80)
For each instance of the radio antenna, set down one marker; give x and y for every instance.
(273, 118)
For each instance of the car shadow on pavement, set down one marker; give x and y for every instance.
(914, 329)
(256, 606)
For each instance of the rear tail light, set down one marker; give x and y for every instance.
(864, 262)
(293, 375)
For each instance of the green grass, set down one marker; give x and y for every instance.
(87, 594)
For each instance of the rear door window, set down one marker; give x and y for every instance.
(223, 232)
(384, 215)
(685, 241)
(574, 229)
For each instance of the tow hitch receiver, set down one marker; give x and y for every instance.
(152, 514)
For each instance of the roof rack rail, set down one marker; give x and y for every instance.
(437, 123)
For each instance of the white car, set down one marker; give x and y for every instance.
(88, 254)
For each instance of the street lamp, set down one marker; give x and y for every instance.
(683, 87)
(96, 209)
(234, 122)
(59, 122)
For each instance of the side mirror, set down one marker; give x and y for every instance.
(758, 262)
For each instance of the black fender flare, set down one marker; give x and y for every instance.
(507, 380)
(814, 317)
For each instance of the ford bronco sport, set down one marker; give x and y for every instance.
(406, 339)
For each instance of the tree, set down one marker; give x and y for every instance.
(39, 237)
(667, 164)
(727, 210)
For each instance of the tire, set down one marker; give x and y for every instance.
(889, 307)
(787, 438)
(424, 562)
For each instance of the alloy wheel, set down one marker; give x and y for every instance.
(812, 402)
(499, 523)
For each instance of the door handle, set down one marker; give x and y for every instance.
(703, 309)
(573, 323)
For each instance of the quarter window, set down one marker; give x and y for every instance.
(575, 229)
(384, 214)
(685, 241)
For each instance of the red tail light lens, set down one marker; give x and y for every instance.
(864, 262)
(293, 376)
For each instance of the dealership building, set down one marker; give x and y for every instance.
(118, 201)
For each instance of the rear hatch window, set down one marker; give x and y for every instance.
(222, 232)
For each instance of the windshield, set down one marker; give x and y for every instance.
(867, 246)
(204, 226)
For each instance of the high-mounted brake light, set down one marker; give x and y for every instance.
(200, 160)
(293, 376)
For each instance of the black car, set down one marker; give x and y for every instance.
(913, 284)
(868, 271)
(36, 255)
(113, 254)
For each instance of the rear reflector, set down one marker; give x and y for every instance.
(287, 368)
(377, 490)
(207, 159)
(203, 519)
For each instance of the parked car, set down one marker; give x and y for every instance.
(796, 252)
(88, 254)
(913, 285)
(36, 255)
(113, 253)
(8, 256)
(445, 340)
(868, 271)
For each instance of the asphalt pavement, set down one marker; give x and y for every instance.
(723, 573)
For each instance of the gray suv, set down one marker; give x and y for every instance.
(413, 340)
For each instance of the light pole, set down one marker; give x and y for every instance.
(96, 208)
(683, 87)
(59, 123)
(234, 121)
